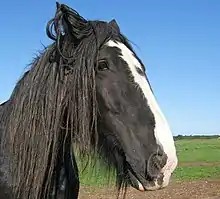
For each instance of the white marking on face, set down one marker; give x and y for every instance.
(162, 130)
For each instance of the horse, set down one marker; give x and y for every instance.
(87, 92)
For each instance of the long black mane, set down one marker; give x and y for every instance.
(54, 105)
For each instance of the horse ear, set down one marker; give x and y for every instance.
(114, 24)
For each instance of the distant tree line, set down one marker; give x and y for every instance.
(181, 137)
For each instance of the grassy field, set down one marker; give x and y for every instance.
(207, 150)
(192, 153)
(198, 152)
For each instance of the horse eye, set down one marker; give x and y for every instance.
(103, 66)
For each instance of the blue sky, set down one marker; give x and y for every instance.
(179, 42)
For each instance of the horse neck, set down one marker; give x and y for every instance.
(1, 122)
(5, 177)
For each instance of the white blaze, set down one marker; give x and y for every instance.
(163, 133)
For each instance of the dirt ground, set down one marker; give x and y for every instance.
(202, 189)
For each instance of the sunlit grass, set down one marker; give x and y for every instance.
(207, 150)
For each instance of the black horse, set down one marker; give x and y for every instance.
(87, 91)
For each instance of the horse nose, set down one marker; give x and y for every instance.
(160, 160)
(155, 164)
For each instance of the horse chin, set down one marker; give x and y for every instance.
(134, 181)
(144, 185)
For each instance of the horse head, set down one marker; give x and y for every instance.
(132, 130)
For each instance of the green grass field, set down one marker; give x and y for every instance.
(198, 151)
(191, 153)
(207, 150)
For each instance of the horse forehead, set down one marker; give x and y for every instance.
(127, 55)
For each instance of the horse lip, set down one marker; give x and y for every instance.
(140, 186)
(133, 176)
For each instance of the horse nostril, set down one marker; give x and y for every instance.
(157, 161)
(160, 160)
(154, 165)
